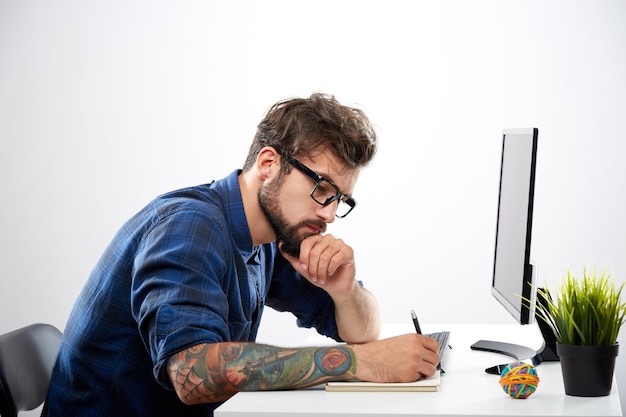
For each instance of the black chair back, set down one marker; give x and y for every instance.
(27, 356)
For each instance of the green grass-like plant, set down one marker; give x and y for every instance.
(586, 311)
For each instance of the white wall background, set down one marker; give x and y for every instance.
(104, 105)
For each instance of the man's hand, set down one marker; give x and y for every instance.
(405, 358)
(326, 262)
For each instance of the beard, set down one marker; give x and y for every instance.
(287, 235)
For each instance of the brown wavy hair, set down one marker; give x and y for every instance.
(297, 127)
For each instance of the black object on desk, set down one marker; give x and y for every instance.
(496, 370)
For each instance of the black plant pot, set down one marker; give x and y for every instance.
(587, 370)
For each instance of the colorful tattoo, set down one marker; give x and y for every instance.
(209, 373)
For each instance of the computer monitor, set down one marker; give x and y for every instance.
(513, 283)
(513, 274)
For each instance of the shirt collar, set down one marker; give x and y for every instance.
(236, 216)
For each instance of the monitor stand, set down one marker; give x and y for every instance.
(547, 352)
(515, 351)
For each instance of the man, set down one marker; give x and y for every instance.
(166, 323)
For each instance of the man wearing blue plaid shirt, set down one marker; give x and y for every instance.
(166, 323)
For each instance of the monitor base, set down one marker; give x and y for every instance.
(519, 352)
(547, 352)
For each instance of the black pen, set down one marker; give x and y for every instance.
(415, 322)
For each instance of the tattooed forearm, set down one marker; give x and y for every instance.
(215, 372)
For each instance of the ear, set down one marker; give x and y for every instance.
(267, 163)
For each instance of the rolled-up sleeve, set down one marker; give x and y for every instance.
(180, 284)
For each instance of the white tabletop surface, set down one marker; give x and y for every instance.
(466, 390)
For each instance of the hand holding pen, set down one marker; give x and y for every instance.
(418, 330)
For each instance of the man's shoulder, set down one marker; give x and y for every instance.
(214, 196)
(198, 203)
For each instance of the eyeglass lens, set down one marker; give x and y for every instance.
(325, 193)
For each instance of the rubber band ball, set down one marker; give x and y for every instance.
(519, 380)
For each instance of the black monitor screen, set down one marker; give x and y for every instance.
(512, 271)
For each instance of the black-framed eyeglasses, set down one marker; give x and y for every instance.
(325, 191)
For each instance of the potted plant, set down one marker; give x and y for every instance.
(585, 316)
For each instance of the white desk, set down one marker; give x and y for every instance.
(466, 390)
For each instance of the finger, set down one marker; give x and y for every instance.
(328, 255)
(343, 256)
(305, 249)
(427, 371)
(431, 360)
(427, 353)
(431, 351)
(431, 344)
(319, 258)
(319, 251)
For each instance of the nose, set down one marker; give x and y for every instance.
(327, 213)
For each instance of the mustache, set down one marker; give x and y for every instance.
(290, 243)
(315, 223)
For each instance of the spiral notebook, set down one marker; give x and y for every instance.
(424, 385)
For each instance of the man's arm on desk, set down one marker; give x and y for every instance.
(215, 372)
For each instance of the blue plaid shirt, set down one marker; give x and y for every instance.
(182, 271)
